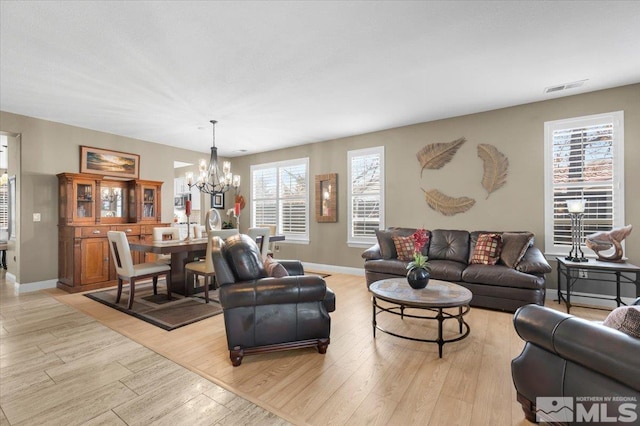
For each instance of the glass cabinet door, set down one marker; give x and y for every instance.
(113, 202)
(148, 202)
(84, 201)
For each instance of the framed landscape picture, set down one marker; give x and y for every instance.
(109, 163)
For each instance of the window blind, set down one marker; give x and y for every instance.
(585, 164)
(365, 194)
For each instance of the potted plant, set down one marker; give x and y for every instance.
(419, 268)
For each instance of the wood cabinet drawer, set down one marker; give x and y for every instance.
(127, 229)
(94, 231)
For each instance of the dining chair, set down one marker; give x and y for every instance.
(127, 271)
(204, 266)
(165, 233)
(212, 220)
(272, 231)
(257, 232)
(198, 231)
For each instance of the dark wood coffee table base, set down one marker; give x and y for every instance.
(443, 295)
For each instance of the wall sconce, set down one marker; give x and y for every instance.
(576, 212)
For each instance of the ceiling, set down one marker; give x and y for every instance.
(278, 74)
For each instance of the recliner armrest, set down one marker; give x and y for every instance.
(273, 291)
(595, 346)
(293, 267)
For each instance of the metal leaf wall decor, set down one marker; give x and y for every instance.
(496, 167)
(447, 205)
(436, 155)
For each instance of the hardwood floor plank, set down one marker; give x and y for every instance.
(360, 380)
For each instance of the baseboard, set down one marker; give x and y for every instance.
(581, 298)
(333, 268)
(34, 286)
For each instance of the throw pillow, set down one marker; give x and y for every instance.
(404, 247)
(514, 245)
(487, 250)
(385, 240)
(625, 319)
(274, 269)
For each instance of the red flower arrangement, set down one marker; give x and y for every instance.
(420, 238)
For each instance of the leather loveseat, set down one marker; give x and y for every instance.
(580, 361)
(500, 286)
(264, 314)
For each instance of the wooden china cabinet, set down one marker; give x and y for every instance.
(89, 207)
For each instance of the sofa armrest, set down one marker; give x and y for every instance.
(595, 346)
(372, 252)
(273, 291)
(534, 262)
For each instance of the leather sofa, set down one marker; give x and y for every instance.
(264, 314)
(566, 356)
(493, 286)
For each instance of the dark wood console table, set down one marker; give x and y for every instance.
(622, 273)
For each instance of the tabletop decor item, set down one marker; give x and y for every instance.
(605, 240)
(418, 269)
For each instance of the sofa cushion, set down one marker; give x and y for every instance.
(514, 245)
(385, 240)
(446, 270)
(501, 276)
(625, 319)
(487, 249)
(449, 245)
(405, 247)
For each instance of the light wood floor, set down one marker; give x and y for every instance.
(360, 380)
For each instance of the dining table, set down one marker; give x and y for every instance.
(182, 252)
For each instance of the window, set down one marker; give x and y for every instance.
(280, 197)
(584, 158)
(365, 195)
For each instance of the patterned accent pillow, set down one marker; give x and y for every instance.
(625, 319)
(274, 269)
(404, 247)
(487, 250)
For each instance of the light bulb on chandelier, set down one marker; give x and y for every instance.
(210, 180)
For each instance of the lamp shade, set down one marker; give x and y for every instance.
(576, 206)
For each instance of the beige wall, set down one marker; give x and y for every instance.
(50, 148)
(518, 132)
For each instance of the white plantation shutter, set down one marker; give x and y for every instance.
(366, 194)
(279, 195)
(584, 160)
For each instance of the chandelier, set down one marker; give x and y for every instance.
(210, 180)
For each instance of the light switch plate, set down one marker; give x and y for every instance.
(36, 217)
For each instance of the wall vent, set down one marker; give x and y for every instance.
(565, 86)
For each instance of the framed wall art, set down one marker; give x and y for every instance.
(109, 163)
(217, 200)
(327, 198)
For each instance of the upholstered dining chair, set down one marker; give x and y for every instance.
(212, 220)
(264, 233)
(127, 271)
(164, 233)
(204, 267)
(264, 314)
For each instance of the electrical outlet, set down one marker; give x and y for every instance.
(582, 273)
(36, 217)
(277, 248)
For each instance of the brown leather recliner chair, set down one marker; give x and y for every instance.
(567, 356)
(263, 314)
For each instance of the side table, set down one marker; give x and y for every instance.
(621, 271)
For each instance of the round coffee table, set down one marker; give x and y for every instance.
(438, 295)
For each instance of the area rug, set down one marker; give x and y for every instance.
(157, 309)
